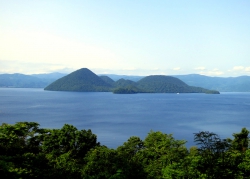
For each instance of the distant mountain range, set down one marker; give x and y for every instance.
(87, 81)
(222, 84)
(18, 80)
(126, 77)
(230, 84)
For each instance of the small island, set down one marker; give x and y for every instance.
(124, 91)
(128, 90)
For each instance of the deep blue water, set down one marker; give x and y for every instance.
(114, 118)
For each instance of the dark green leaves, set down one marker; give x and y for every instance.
(27, 151)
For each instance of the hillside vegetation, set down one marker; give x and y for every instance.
(167, 84)
(108, 80)
(80, 80)
(124, 83)
(28, 151)
(85, 80)
(130, 89)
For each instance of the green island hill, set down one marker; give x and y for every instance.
(84, 80)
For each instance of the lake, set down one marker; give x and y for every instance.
(115, 117)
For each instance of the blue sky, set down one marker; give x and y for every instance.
(126, 37)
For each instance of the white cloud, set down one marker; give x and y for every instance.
(177, 68)
(129, 69)
(238, 68)
(209, 72)
(215, 69)
(247, 69)
(212, 73)
(200, 68)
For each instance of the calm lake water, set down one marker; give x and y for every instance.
(114, 118)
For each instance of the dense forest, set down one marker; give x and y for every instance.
(28, 151)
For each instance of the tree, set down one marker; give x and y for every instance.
(20, 155)
(218, 160)
(241, 140)
(26, 151)
(130, 158)
(66, 148)
(160, 151)
(244, 166)
(69, 139)
(101, 163)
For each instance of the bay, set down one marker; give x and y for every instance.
(114, 118)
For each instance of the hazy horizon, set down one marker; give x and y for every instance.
(120, 74)
(126, 37)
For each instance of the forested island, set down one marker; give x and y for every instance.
(222, 84)
(28, 151)
(84, 80)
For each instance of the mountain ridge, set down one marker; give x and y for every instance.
(86, 81)
(222, 84)
(79, 80)
(18, 80)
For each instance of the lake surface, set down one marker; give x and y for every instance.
(114, 117)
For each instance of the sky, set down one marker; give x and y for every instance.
(126, 37)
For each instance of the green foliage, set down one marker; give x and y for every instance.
(63, 166)
(101, 162)
(130, 157)
(20, 153)
(131, 147)
(188, 167)
(69, 139)
(27, 151)
(241, 140)
(244, 166)
(161, 150)
(65, 149)
(214, 153)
